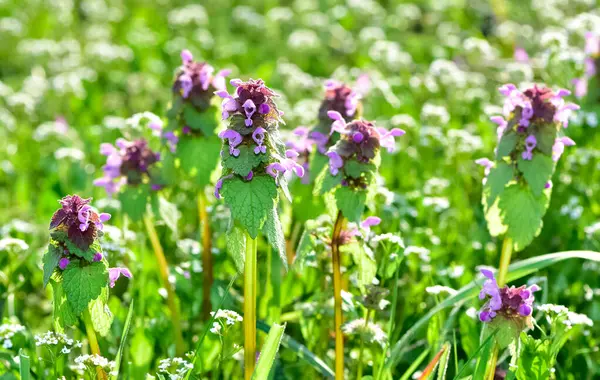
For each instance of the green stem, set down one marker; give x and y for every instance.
(250, 307)
(93, 342)
(507, 248)
(163, 269)
(207, 260)
(337, 296)
(362, 346)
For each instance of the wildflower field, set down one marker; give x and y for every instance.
(323, 189)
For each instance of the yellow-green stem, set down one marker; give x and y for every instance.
(362, 346)
(250, 307)
(337, 296)
(207, 262)
(163, 270)
(505, 255)
(93, 342)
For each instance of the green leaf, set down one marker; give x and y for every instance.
(236, 246)
(250, 202)
(301, 351)
(499, 176)
(545, 136)
(100, 313)
(444, 361)
(367, 268)
(274, 233)
(534, 360)
(325, 181)
(415, 365)
(350, 202)
(50, 261)
(506, 145)
(537, 171)
(522, 213)
(199, 157)
(133, 201)
(487, 349)
(84, 284)
(305, 250)
(515, 271)
(205, 121)
(245, 162)
(168, 213)
(24, 365)
(355, 169)
(63, 313)
(87, 254)
(268, 352)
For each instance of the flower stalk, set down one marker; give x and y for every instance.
(250, 279)
(207, 261)
(163, 270)
(337, 296)
(93, 342)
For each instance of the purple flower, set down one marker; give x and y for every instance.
(581, 87)
(558, 147)
(186, 56)
(186, 84)
(321, 140)
(219, 185)
(592, 44)
(520, 55)
(97, 257)
(530, 144)
(590, 67)
(115, 273)
(62, 263)
(341, 98)
(335, 162)
(386, 138)
(259, 137)
(286, 165)
(79, 220)
(486, 163)
(339, 124)
(234, 139)
(249, 109)
(172, 140)
(508, 302)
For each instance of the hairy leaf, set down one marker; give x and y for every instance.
(245, 162)
(537, 171)
(84, 284)
(274, 233)
(100, 313)
(350, 202)
(506, 145)
(499, 176)
(325, 182)
(50, 260)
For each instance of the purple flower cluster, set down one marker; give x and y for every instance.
(80, 222)
(303, 145)
(507, 302)
(360, 140)
(254, 118)
(591, 63)
(196, 81)
(127, 162)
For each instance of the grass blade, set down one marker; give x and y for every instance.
(444, 361)
(433, 364)
(268, 352)
(24, 365)
(302, 352)
(124, 334)
(516, 270)
(413, 367)
(481, 346)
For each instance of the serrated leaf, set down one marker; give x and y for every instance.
(325, 181)
(168, 213)
(250, 202)
(355, 169)
(133, 201)
(199, 157)
(545, 136)
(499, 176)
(87, 254)
(534, 359)
(100, 313)
(50, 261)
(84, 284)
(205, 121)
(537, 171)
(245, 162)
(522, 214)
(274, 233)
(62, 312)
(350, 202)
(506, 145)
(236, 246)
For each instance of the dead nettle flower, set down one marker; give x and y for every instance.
(78, 221)
(301, 143)
(507, 308)
(357, 149)
(196, 82)
(590, 63)
(530, 127)
(252, 146)
(128, 162)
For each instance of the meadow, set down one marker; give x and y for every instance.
(327, 189)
